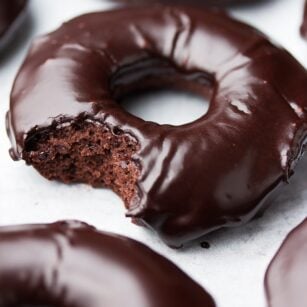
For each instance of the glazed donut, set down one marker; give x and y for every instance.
(286, 277)
(72, 264)
(12, 14)
(183, 181)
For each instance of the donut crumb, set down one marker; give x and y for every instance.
(86, 152)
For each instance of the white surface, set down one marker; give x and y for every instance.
(166, 107)
(233, 268)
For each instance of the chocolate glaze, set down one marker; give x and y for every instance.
(286, 277)
(72, 264)
(12, 13)
(216, 171)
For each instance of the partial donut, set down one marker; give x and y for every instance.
(183, 181)
(286, 277)
(71, 264)
(12, 14)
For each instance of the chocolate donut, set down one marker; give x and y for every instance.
(12, 13)
(183, 181)
(286, 277)
(72, 264)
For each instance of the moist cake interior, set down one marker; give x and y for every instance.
(86, 151)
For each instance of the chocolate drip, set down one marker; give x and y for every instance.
(304, 24)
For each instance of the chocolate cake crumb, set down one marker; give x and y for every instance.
(86, 152)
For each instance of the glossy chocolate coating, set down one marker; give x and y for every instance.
(286, 277)
(12, 13)
(216, 171)
(72, 264)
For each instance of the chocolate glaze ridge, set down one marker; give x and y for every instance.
(216, 171)
(286, 277)
(72, 264)
(12, 14)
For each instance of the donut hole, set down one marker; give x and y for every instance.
(152, 89)
(159, 106)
